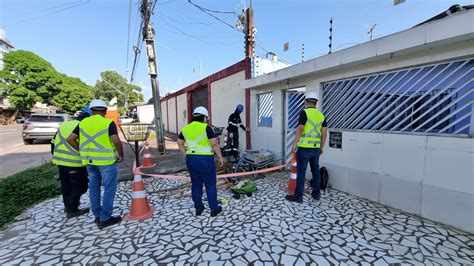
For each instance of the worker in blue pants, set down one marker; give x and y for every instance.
(198, 143)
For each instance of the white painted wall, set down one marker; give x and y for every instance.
(267, 138)
(182, 111)
(425, 175)
(163, 115)
(172, 114)
(225, 95)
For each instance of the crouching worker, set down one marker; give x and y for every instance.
(198, 143)
(72, 172)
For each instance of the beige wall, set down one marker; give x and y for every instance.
(163, 114)
(172, 114)
(182, 111)
(225, 95)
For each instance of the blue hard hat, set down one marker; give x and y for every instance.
(240, 107)
(86, 110)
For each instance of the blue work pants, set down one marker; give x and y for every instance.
(303, 157)
(203, 171)
(106, 175)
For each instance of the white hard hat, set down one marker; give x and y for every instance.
(201, 110)
(311, 95)
(97, 103)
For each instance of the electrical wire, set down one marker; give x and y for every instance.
(42, 10)
(167, 2)
(210, 10)
(259, 45)
(191, 35)
(47, 14)
(128, 36)
(195, 37)
(212, 15)
(187, 23)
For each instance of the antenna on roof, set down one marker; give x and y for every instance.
(371, 30)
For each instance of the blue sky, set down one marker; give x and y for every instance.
(83, 38)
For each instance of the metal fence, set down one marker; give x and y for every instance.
(265, 109)
(427, 99)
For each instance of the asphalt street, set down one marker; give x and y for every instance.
(16, 156)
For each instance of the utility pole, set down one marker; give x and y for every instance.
(249, 32)
(148, 36)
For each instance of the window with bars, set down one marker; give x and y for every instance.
(265, 109)
(427, 99)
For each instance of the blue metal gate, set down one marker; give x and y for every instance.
(294, 103)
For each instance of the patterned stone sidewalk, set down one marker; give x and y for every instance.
(263, 229)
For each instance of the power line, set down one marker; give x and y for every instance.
(212, 15)
(42, 10)
(128, 36)
(213, 11)
(167, 2)
(187, 23)
(189, 34)
(47, 14)
(196, 37)
(137, 49)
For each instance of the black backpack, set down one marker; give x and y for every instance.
(324, 179)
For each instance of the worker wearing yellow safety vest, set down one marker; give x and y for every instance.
(72, 172)
(100, 149)
(198, 143)
(308, 146)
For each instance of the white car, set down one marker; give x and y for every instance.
(42, 126)
(125, 120)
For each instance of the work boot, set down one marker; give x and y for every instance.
(111, 221)
(77, 213)
(292, 198)
(199, 212)
(216, 212)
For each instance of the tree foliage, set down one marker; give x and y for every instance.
(27, 78)
(112, 84)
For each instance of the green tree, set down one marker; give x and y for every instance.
(73, 94)
(27, 78)
(112, 84)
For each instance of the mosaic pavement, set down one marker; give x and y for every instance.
(262, 230)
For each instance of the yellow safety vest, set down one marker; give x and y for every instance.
(196, 140)
(64, 154)
(95, 145)
(311, 137)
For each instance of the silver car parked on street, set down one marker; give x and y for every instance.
(42, 126)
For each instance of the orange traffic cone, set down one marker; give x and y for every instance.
(292, 180)
(140, 210)
(147, 160)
